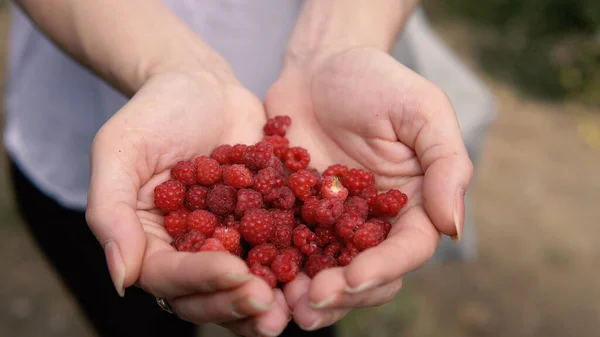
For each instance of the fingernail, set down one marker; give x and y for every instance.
(459, 214)
(324, 303)
(251, 305)
(314, 326)
(116, 266)
(267, 333)
(232, 280)
(363, 287)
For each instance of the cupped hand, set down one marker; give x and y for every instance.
(362, 108)
(176, 117)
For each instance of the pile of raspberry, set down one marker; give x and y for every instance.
(265, 204)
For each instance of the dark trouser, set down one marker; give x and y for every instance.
(65, 239)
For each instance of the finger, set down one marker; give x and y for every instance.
(369, 298)
(269, 324)
(295, 289)
(310, 319)
(168, 273)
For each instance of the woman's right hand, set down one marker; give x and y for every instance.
(174, 117)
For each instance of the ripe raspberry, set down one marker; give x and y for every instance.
(305, 240)
(356, 180)
(333, 249)
(277, 126)
(301, 183)
(347, 255)
(221, 199)
(347, 225)
(281, 236)
(317, 263)
(169, 195)
(277, 165)
(389, 203)
(247, 199)
(282, 198)
(239, 252)
(209, 171)
(332, 188)
(212, 245)
(316, 190)
(238, 175)
(265, 273)
(357, 205)
(295, 255)
(236, 153)
(256, 226)
(221, 154)
(184, 171)
(190, 241)
(329, 211)
(258, 156)
(370, 195)
(266, 180)
(309, 208)
(385, 226)
(262, 254)
(285, 268)
(296, 158)
(325, 235)
(230, 222)
(280, 145)
(368, 235)
(176, 223)
(229, 237)
(283, 217)
(203, 221)
(336, 170)
(195, 197)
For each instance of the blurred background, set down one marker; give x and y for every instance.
(535, 196)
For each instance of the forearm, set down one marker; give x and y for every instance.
(124, 42)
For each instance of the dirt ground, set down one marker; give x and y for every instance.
(536, 197)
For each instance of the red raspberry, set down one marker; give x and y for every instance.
(277, 165)
(385, 226)
(285, 268)
(258, 156)
(282, 198)
(238, 175)
(316, 190)
(236, 153)
(283, 217)
(221, 154)
(332, 188)
(370, 195)
(317, 263)
(347, 225)
(229, 237)
(265, 273)
(203, 221)
(176, 223)
(356, 180)
(190, 241)
(296, 158)
(221, 199)
(256, 226)
(280, 145)
(301, 183)
(169, 195)
(329, 211)
(209, 171)
(333, 249)
(247, 199)
(325, 235)
(195, 197)
(336, 170)
(239, 252)
(357, 205)
(347, 255)
(277, 126)
(368, 235)
(309, 208)
(184, 171)
(212, 245)
(295, 254)
(266, 180)
(262, 254)
(281, 236)
(389, 203)
(305, 240)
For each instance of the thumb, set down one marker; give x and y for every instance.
(111, 212)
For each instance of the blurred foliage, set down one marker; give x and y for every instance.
(549, 48)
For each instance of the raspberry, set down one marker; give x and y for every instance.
(236, 153)
(301, 183)
(333, 249)
(239, 252)
(285, 268)
(238, 175)
(265, 273)
(356, 180)
(184, 171)
(256, 226)
(176, 223)
(280, 145)
(229, 237)
(281, 236)
(304, 239)
(389, 203)
(190, 241)
(282, 198)
(357, 205)
(203, 221)
(258, 156)
(283, 217)
(332, 188)
(212, 245)
(317, 263)
(329, 211)
(266, 180)
(221, 199)
(277, 126)
(169, 195)
(247, 199)
(195, 197)
(325, 235)
(347, 255)
(209, 171)
(347, 224)
(296, 158)
(368, 235)
(370, 195)
(316, 190)
(277, 165)
(295, 254)
(263, 254)
(309, 208)
(221, 154)
(336, 170)
(385, 226)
